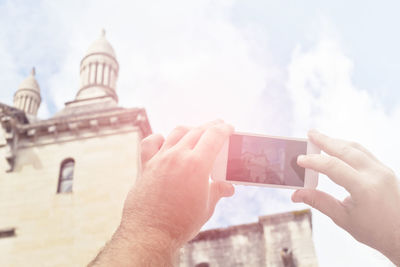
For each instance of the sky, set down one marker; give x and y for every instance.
(268, 67)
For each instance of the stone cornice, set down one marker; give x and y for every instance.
(16, 113)
(95, 121)
(10, 117)
(19, 133)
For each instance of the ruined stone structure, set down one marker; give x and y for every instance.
(279, 240)
(63, 182)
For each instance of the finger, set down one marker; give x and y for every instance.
(192, 137)
(211, 142)
(150, 146)
(343, 150)
(339, 172)
(217, 191)
(323, 202)
(363, 149)
(175, 136)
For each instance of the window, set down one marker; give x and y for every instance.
(7, 232)
(287, 257)
(66, 177)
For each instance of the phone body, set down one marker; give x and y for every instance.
(262, 160)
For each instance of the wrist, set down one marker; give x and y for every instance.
(394, 252)
(141, 221)
(392, 247)
(143, 247)
(152, 243)
(147, 237)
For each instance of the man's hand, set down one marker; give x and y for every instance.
(174, 194)
(173, 197)
(371, 213)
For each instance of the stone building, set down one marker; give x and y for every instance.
(281, 240)
(63, 181)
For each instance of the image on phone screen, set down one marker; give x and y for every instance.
(265, 160)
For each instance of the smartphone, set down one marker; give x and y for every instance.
(262, 160)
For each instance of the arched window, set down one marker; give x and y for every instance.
(66, 178)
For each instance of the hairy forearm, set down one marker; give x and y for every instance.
(144, 248)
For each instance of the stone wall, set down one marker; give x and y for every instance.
(66, 229)
(235, 246)
(276, 240)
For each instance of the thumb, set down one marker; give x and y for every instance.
(323, 202)
(217, 191)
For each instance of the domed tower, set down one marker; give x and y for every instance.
(98, 71)
(27, 97)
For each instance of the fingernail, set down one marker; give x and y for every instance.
(295, 197)
(301, 158)
(228, 126)
(226, 189)
(313, 132)
(230, 191)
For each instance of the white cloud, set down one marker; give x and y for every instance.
(324, 96)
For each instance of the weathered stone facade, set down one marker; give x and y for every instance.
(281, 240)
(66, 229)
(39, 224)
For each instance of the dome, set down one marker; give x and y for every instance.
(27, 98)
(30, 83)
(98, 71)
(101, 46)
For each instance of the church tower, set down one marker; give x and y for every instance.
(27, 97)
(98, 80)
(98, 72)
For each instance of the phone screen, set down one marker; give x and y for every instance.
(265, 160)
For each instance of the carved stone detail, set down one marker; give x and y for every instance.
(9, 126)
(18, 132)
